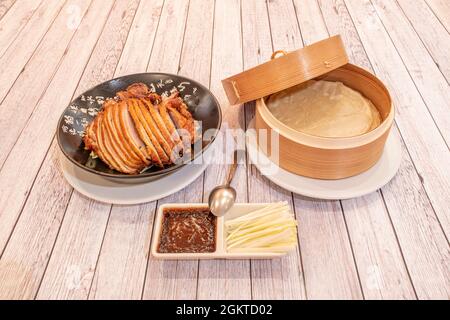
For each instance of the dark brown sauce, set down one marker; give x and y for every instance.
(187, 230)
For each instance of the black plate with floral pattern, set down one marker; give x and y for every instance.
(81, 111)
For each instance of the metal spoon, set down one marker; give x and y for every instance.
(222, 198)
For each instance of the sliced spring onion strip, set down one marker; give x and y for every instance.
(269, 229)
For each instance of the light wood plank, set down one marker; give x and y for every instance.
(382, 272)
(226, 279)
(425, 248)
(136, 53)
(410, 210)
(428, 79)
(441, 9)
(120, 274)
(328, 264)
(5, 5)
(122, 225)
(25, 258)
(425, 144)
(169, 280)
(101, 67)
(44, 62)
(71, 267)
(14, 20)
(321, 223)
(13, 191)
(278, 278)
(37, 228)
(169, 39)
(178, 279)
(22, 48)
(431, 31)
(122, 264)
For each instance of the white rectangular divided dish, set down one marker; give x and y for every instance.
(238, 209)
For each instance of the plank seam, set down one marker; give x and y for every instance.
(406, 148)
(71, 194)
(410, 76)
(22, 27)
(53, 247)
(420, 38)
(156, 33)
(42, 94)
(398, 244)
(437, 17)
(352, 250)
(4, 13)
(204, 172)
(246, 167)
(33, 53)
(42, 162)
(340, 201)
(99, 252)
(115, 69)
(431, 115)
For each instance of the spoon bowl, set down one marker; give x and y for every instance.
(221, 199)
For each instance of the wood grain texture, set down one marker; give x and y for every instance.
(322, 280)
(278, 278)
(427, 77)
(441, 9)
(44, 62)
(13, 191)
(24, 260)
(39, 227)
(398, 203)
(5, 5)
(424, 141)
(382, 272)
(121, 267)
(169, 38)
(226, 279)
(178, 279)
(21, 49)
(106, 54)
(431, 32)
(136, 53)
(71, 267)
(129, 227)
(55, 243)
(14, 20)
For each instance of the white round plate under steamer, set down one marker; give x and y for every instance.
(371, 180)
(108, 191)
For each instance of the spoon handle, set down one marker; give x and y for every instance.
(233, 168)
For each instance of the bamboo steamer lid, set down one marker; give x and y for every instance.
(286, 71)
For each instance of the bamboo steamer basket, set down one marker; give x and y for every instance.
(304, 154)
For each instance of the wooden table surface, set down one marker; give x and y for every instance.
(58, 244)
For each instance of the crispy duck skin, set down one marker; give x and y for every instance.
(139, 90)
(91, 141)
(149, 140)
(137, 132)
(132, 137)
(181, 122)
(106, 151)
(121, 131)
(154, 127)
(162, 109)
(113, 150)
(128, 158)
(180, 114)
(162, 126)
(139, 129)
